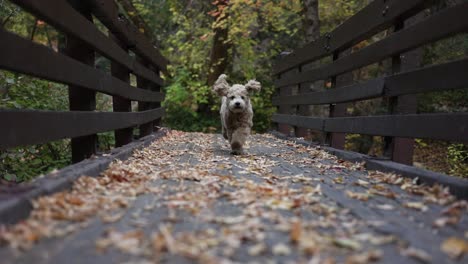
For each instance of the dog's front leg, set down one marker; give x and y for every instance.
(224, 132)
(239, 136)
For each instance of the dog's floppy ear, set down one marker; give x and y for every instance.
(253, 86)
(221, 86)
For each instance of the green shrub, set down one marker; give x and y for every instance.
(458, 159)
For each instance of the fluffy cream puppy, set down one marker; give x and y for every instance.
(236, 111)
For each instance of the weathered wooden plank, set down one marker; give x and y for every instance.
(406, 227)
(299, 121)
(338, 140)
(79, 98)
(442, 77)
(458, 186)
(285, 91)
(49, 125)
(453, 126)
(375, 17)
(107, 12)
(453, 19)
(14, 208)
(62, 16)
(402, 149)
(125, 135)
(366, 90)
(302, 110)
(42, 62)
(147, 128)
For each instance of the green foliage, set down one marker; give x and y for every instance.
(441, 52)
(183, 96)
(258, 32)
(22, 92)
(335, 12)
(421, 142)
(458, 159)
(25, 163)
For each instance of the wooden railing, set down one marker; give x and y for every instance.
(75, 66)
(402, 124)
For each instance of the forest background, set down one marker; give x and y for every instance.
(241, 38)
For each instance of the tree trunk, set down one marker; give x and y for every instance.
(33, 31)
(219, 58)
(311, 28)
(220, 50)
(137, 19)
(311, 22)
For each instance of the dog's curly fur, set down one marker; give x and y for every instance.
(236, 111)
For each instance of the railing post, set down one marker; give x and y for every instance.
(148, 128)
(302, 110)
(338, 140)
(285, 109)
(156, 88)
(401, 149)
(81, 99)
(125, 135)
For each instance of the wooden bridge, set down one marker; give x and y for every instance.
(177, 197)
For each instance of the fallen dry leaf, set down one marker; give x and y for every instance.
(443, 221)
(347, 243)
(296, 231)
(128, 242)
(359, 196)
(362, 183)
(111, 218)
(257, 249)
(455, 247)
(281, 249)
(416, 205)
(364, 258)
(386, 207)
(189, 183)
(418, 254)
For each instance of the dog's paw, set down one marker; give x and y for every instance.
(237, 152)
(236, 148)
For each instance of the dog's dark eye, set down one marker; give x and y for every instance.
(232, 97)
(242, 97)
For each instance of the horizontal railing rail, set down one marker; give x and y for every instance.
(55, 125)
(42, 62)
(453, 20)
(407, 31)
(426, 126)
(74, 65)
(377, 16)
(63, 17)
(443, 77)
(107, 12)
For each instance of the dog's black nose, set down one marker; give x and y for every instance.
(237, 104)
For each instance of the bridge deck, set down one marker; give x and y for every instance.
(186, 199)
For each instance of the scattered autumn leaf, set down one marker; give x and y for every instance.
(455, 247)
(296, 231)
(416, 205)
(364, 258)
(418, 254)
(359, 196)
(281, 249)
